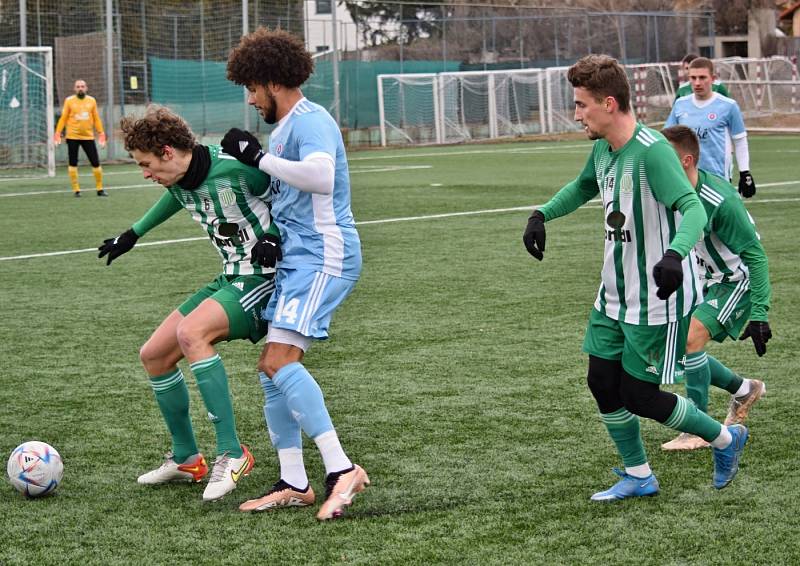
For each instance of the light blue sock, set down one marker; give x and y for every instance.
(284, 430)
(304, 398)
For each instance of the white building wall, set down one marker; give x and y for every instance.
(318, 28)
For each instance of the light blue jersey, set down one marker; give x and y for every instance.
(716, 122)
(317, 231)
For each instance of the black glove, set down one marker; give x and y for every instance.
(668, 274)
(243, 146)
(115, 247)
(760, 333)
(534, 235)
(747, 186)
(267, 251)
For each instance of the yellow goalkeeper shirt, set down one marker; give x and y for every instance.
(80, 117)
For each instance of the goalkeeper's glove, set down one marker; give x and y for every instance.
(760, 332)
(534, 235)
(668, 274)
(115, 247)
(267, 251)
(243, 146)
(747, 186)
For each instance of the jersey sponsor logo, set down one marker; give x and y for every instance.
(243, 145)
(239, 285)
(615, 221)
(738, 314)
(623, 236)
(713, 303)
(212, 417)
(652, 369)
(226, 197)
(702, 133)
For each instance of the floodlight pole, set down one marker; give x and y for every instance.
(23, 42)
(335, 42)
(110, 78)
(245, 17)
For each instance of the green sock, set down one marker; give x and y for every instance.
(212, 380)
(623, 428)
(172, 396)
(698, 378)
(688, 418)
(723, 377)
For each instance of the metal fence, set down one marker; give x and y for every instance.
(174, 53)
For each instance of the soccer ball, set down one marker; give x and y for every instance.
(35, 468)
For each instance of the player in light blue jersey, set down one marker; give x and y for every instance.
(319, 268)
(718, 122)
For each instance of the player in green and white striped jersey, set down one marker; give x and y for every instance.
(230, 201)
(736, 271)
(637, 328)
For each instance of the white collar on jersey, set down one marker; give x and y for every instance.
(285, 119)
(704, 103)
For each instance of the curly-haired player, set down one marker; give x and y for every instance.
(320, 266)
(230, 202)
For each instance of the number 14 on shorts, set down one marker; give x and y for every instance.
(286, 311)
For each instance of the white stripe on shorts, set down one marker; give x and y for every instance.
(256, 294)
(314, 299)
(668, 373)
(727, 309)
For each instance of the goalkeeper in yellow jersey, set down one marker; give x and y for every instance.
(81, 119)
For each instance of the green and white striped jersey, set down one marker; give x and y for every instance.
(639, 185)
(232, 205)
(729, 231)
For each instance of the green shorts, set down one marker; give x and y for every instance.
(648, 353)
(243, 297)
(725, 310)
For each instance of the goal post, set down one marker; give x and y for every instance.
(454, 107)
(26, 112)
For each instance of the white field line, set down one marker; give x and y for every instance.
(590, 204)
(362, 169)
(504, 150)
(376, 170)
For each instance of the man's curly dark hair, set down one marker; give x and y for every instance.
(158, 127)
(270, 56)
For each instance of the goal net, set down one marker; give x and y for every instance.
(456, 107)
(460, 106)
(26, 112)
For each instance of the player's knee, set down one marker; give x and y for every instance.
(151, 357)
(190, 335)
(697, 337)
(603, 381)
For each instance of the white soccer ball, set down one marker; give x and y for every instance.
(35, 468)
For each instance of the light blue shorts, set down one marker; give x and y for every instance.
(304, 301)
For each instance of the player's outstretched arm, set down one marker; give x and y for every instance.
(314, 174)
(115, 247)
(571, 197)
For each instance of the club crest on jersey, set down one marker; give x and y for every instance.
(626, 183)
(712, 116)
(226, 197)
